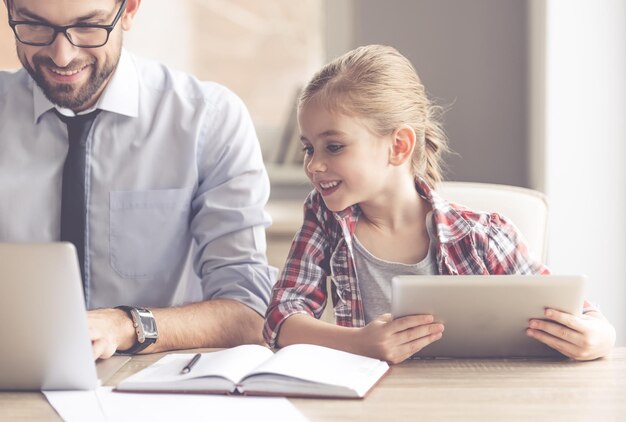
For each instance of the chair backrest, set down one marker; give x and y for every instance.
(526, 208)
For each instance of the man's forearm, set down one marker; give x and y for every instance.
(212, 323)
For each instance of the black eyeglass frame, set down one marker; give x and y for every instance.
(63, 29)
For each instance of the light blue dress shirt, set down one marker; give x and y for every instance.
(176, 187)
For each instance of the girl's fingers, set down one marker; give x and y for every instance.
(558, 331)
(562, 346)
(563, 318)
(414, 333)
(409, 349)
(411, 321)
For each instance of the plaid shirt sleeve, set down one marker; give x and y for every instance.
(482, 243)
(508, 254)
(506, 251)
(301, 286)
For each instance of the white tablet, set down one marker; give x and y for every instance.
(486, 316)
(43, 324)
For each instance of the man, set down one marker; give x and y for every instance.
(170, 174)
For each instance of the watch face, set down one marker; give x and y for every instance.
(148, 324)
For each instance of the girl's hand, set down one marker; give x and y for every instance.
(397, 340)
(585, 337)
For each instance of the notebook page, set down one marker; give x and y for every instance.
(231, 364)
(325, 366)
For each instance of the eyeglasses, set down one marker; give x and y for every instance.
(81, 35)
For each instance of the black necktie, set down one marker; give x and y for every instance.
(73, 213)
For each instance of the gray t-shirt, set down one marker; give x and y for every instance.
(374, 274)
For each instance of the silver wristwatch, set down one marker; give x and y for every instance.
(145, 327)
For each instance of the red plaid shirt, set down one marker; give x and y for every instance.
(467, 243)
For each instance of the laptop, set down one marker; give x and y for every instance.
(43, 323)
(486, 316)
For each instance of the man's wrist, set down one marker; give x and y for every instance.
(144, 326)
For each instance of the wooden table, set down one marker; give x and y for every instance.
(464, 390)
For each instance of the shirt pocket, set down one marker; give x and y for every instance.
(149, 232)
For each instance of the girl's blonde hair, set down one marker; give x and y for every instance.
(379, 84)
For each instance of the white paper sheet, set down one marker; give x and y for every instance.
(76, 406)
(106, 405)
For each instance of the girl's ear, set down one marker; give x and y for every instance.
(402, 146)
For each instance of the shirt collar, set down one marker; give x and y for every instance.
(42, 104)
(120, 96)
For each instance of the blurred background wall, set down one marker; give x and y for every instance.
(8, 59)
(472, 57)
(582, 142)
(535, 92)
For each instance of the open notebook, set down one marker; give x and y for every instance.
(299, 370)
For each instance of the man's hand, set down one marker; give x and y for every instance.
(109, 330)
(585, 337)
(397, 340)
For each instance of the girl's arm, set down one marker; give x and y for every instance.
(301, 286)
(299, 298)
(384, 338)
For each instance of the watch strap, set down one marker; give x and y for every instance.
(137, 347)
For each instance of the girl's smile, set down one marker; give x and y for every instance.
(327, 188)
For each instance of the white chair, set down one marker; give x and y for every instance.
(526, 208)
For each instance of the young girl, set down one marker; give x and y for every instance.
(373, 147)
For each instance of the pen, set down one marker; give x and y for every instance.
(191, 363)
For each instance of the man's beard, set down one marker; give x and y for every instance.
(66, 95)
